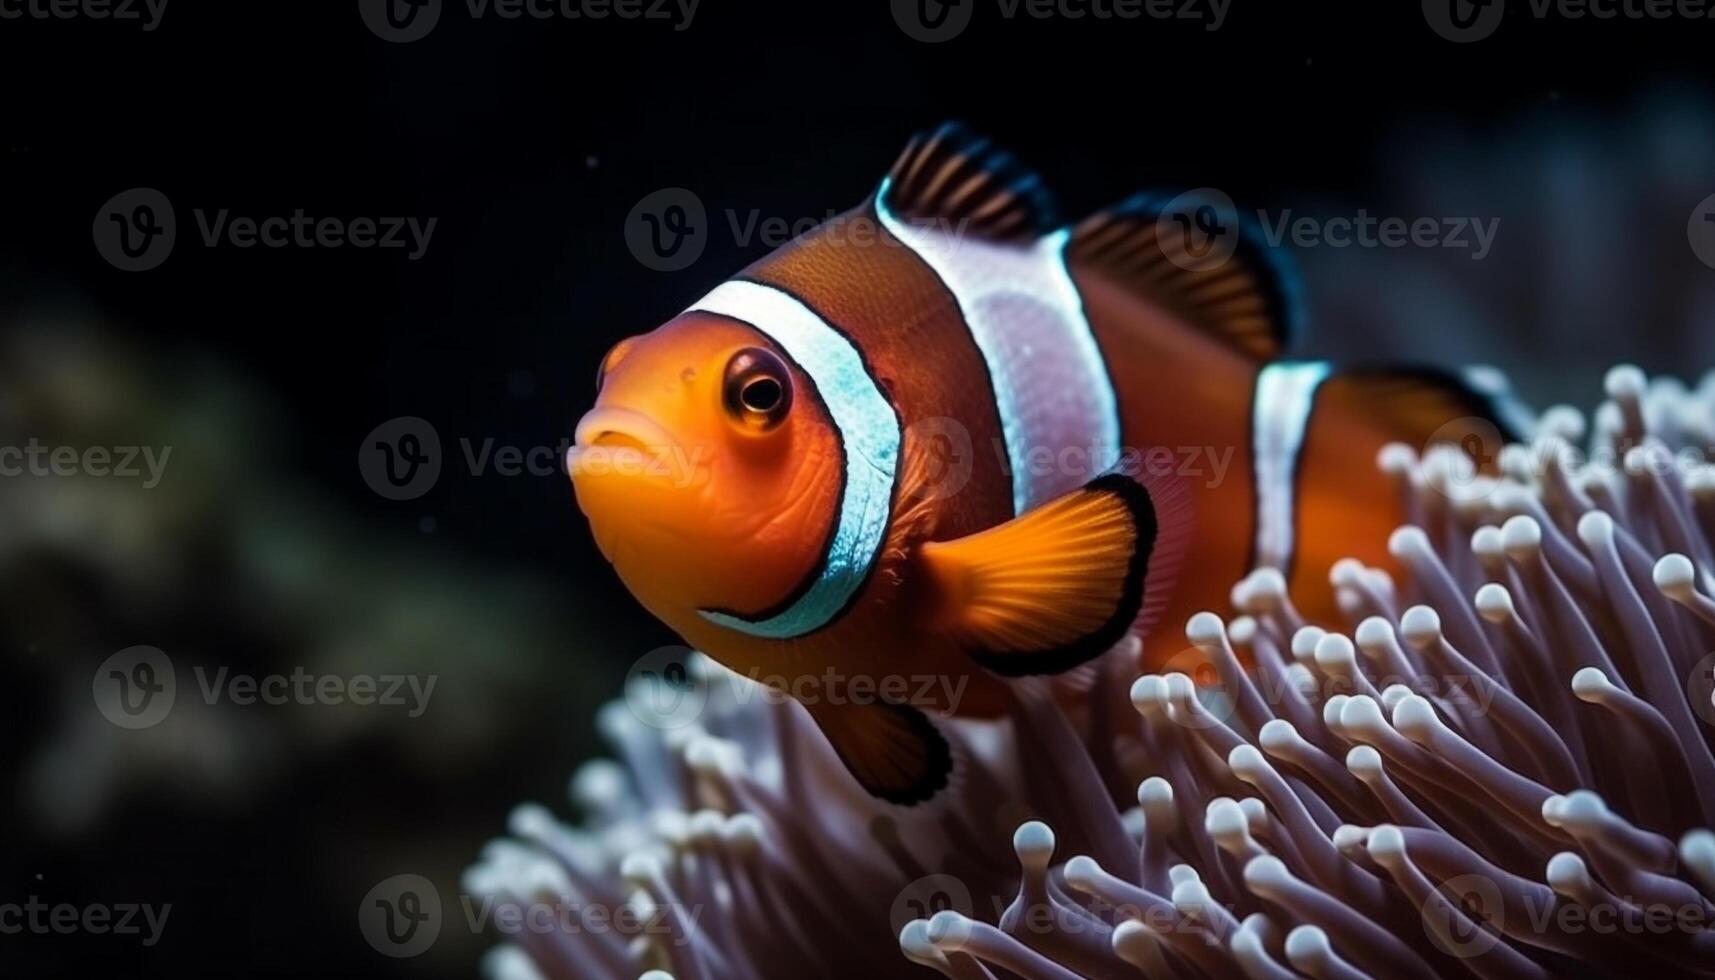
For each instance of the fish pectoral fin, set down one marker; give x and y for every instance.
(893, 750)
(1200, 260)
(954, 179)
(1052, 588)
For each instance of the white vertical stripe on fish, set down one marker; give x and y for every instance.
(869, 435)
(1285, 396)
(1051, 384)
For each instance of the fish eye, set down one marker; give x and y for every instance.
(758, 389)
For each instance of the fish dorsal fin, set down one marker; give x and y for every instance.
(1425, 404)
(1196, 256)
(951, 177)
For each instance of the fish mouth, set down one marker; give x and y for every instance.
(610, 439)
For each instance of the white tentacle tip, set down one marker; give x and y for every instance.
(1387, 846)
(1374, 635)
(914, 943)
(1591, 685)
(1596, 529)
(1277, 736)
(640, 869)
(1267, 588)
(1334, 652)
(1676, 577)
(1625, 382)
(1205, 631)
(1133, 943)
(1494, 603)
(1396, 459)
(1308, 949)
(1488, 543)
(1567, 874)
(1154, 793)
(1265, 871)
(1364, 762)
(949, 930)
(1421, 626)
(1521, 536)
(1082, 873)
(1409, 542)
(1033, 842)
(1414, 717)
(1149, 694)
(1247, 763)
(1304, 643)
(1226, 824)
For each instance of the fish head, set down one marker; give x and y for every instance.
(708, 469)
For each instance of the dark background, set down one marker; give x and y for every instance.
(530, 141)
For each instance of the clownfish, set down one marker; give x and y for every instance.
(916, 441)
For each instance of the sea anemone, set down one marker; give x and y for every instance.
(1511, 778)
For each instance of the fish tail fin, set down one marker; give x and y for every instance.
(1198, 257)
(1060, 585)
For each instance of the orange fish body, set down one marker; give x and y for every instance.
(942, 439)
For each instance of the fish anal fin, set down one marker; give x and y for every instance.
(953, 178)
(1199, 259)
(893, 750)
(1050, 589)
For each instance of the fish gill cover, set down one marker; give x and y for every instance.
(1506, 772)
